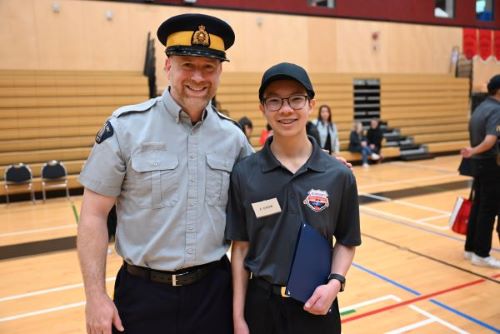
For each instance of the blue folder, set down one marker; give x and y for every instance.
(311, 264)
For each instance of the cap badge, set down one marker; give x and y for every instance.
(317, 200)
(200, 37)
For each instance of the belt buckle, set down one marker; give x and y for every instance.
(174, 278)
(283, 292)
(174, 281)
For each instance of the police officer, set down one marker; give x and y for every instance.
(292, 180)
(484, 132)
(166, 163)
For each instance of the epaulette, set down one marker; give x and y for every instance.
(135, 108)
(227, 118)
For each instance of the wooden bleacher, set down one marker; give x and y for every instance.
(55, 114)
(50, 115)
(432, 109)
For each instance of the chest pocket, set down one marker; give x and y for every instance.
(155, 179)
(217, 184)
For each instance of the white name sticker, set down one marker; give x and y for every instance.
(266, 208)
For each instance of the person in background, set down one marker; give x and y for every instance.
(166, 164)
(247, 126)
(289, 182)
(484, 132)
(267, 132)
(358, 144)
(328, 134)
(312, 131)
(374, 136)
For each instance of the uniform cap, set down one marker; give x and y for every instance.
(494, 84)
(196, 35)
(284, 71)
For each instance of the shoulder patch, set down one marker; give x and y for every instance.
(103, 134)
(227, 118)
(135, 108)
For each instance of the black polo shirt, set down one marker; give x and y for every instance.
(485, 120)
(321, 193)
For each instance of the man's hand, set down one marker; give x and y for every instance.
(101, 314)
(344, 161)
(466, 152)
(322, 298)
(241, 327)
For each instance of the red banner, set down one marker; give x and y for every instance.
(485, 44)
(469, 42)
(496, 44)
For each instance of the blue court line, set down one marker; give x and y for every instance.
(401, 286)
(422, 228)
(479, 322)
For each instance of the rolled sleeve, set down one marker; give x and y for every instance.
(235, 217)
(105, 169)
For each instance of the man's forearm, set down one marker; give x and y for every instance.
(92, 251)
(240, 277)
(342, 258)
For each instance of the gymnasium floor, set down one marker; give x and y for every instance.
(409, 276)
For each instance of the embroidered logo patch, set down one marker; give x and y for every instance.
(105, 132)
(317, 200)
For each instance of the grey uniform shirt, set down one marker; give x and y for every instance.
(171, 181)
(485, 120)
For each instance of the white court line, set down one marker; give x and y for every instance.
(442, 322)
(45, 291)
(411, 327)
(390, 215)
(438, 169)
(370, 302)
(431, 318)
(10, 234)
(435, 218)
(437, 177)
(44, 311)
(416, 206)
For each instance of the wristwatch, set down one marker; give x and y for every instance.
(339, 278)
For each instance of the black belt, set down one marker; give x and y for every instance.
(180, 277)
(269, 287)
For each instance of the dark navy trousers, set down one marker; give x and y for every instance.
(204, 307)
(268, 313)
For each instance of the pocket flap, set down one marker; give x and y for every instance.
(153, 160)
(217, 163)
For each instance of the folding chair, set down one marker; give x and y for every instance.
(54, 175)
(17, 175)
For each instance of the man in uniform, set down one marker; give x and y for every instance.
(166, 164)
(484, 133)
(290, 181)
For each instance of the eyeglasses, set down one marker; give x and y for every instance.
(275, 103)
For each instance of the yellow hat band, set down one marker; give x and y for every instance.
(186, 38)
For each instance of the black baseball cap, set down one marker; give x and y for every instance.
(286, 71)
(494, 84)
(196, 35)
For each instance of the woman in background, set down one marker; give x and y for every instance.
(328, 135)
(358, 144)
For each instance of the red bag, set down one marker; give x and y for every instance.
(459, 218)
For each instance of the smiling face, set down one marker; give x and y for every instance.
(193, 81)
(287, 122)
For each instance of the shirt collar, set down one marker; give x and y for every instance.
(316, 161)
(175, 110)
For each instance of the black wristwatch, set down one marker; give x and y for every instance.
(339, 278)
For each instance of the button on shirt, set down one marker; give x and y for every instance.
(321, 193)
(171, 181)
